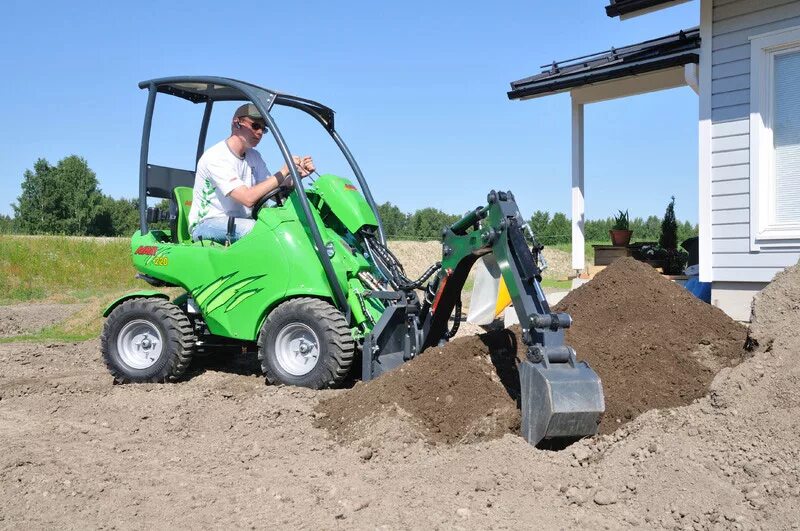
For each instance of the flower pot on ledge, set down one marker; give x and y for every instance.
(620, 238)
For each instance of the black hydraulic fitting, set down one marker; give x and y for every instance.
(553, 321)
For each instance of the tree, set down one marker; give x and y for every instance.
(115, 217)
(393, 219)
(687, 230)
(428, 223)
(6, 224)
(61, 199)
(30, 210)
(651, 229)
(669, 228)
(597, 230)
(539, 222)
(559, 230)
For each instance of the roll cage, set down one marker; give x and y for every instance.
(159, 181)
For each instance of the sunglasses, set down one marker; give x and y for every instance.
(256, 126)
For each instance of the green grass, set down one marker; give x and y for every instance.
(84, 324)
(91, 271)
(63, 269)
(55, 333)
(559, 284)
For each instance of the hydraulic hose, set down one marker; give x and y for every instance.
(456, 320)
(393, 270)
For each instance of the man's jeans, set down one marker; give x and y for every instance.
(216, 229)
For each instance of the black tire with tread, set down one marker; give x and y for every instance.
(175, 328)
(337, 347)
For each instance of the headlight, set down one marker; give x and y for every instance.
(329, 249)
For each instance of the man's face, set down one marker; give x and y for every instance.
(253, 129)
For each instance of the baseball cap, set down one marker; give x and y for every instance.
(249, 110)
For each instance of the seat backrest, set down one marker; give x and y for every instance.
(183, 200)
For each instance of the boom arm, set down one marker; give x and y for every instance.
(501, 234)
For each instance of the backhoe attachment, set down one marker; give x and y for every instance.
(560, 398)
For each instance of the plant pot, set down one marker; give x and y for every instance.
(620, 238)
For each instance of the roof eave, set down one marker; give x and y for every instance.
(599, 76)
(632, 8)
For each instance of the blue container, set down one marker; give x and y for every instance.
(701, 290)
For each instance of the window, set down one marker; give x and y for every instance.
(775, 139)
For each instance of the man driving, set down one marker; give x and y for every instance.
(231, 177)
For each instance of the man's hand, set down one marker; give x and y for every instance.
(303, 165)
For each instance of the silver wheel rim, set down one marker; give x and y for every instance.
(139, 344)
(297, 349)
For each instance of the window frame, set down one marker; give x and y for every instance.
(765, 232)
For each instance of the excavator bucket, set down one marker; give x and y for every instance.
(560, 399)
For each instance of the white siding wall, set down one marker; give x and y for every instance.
(734, 22)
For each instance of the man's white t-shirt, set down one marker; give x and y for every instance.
(220, 171)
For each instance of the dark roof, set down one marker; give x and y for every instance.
(649, 56)
(618, 8)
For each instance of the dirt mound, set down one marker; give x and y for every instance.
(653, 344)
(457, 393)
(776, 310)
(26, 318)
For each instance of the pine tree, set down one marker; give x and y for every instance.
(669, 228)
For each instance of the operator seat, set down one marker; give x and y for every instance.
(182, 197)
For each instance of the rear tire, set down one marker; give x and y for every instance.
(306, 342)
(147, 340)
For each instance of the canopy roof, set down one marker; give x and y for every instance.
(201, 89)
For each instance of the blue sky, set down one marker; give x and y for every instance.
(419, 89)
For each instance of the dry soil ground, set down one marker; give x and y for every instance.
(222, 450)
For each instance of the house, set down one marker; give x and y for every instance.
(744, 64)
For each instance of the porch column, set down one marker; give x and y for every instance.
(578, 207)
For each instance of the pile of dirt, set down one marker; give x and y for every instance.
(463, 392)
(652, 343)
(776, 310)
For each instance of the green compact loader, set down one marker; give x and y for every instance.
(315, 289)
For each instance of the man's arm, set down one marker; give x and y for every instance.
(249, 195)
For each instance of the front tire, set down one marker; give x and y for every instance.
(306, 342)
(147, 340)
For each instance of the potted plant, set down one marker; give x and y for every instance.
(620, 232)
